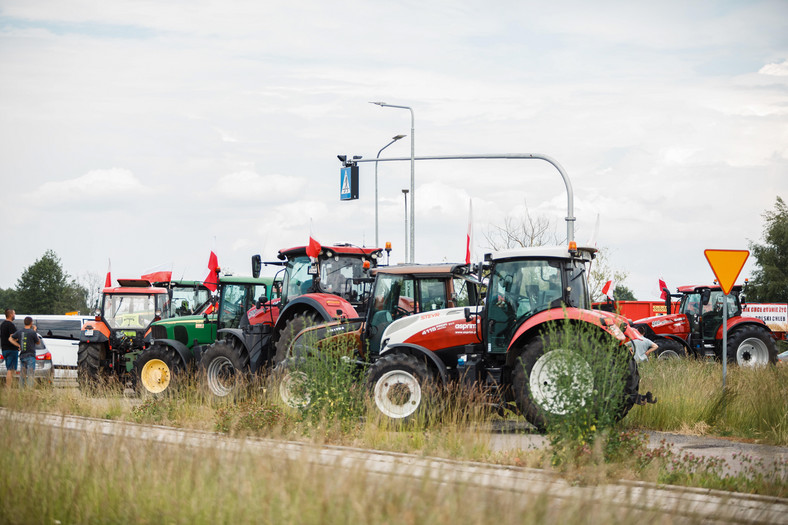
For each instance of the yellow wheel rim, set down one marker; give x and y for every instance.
(155, 376)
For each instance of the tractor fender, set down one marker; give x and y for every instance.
(234, 333)
(419, 351)
(187, 356)
(740, 322)
(327, 306)
(609, 322)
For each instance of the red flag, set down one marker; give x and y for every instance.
(212, 279)
(663, 290)
(108, 280)
(469, 234)
(608, 288)
(158, 277)
(313, 248)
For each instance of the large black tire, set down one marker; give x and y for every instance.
(287, 335)
(400, 385)
(550, 385)
(224, 368)
(92, 375)
(751, 345)
(156, 370)
(670, 349)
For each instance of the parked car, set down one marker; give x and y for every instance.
(60, 334)
(44, 368)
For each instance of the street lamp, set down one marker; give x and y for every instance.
(405, 193)
(412, 177)
(393, 140)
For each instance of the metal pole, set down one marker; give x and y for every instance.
(412, 176)
(393, 140)
(724, 340)
(570, 199)
(405, 193)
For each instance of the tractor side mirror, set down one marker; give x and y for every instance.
(257, 264)
(705, 295)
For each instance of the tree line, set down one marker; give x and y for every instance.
(44, 288)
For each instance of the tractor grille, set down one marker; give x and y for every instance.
(158, 332)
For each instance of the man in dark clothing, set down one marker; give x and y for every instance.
(27, 339)
(10, 352)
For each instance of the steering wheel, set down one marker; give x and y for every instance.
(400, 312)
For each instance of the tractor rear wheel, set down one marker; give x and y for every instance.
(553, 384)
(751, 345)
(670, 349)
(224, 366)
(91, 373)
(288, 333)
(156, 370)
(400, 385)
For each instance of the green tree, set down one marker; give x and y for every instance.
(7, 299)
(45, 288)
(770, 279)
(622, 293)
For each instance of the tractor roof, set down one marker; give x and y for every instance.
(134, 290)
(423, 269)
(342, 249)
(700, 288)
(244, 279)
(543, 252)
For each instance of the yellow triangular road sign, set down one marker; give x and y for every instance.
(726, 265)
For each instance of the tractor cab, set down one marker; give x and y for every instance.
(338, 270)
(703, 308)
(528, 281)
(400, 291)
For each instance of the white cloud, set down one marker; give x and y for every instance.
(94, 187)
(778, 70)
(251, 186)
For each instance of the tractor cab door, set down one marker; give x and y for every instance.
(713, 313)
(394, 296)
(236, 299)
(519, 289)
(692, 307)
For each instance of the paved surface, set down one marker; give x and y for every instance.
(739, 457)
(687, 504)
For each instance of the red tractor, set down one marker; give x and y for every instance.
(533, 294)
(333, 285)
(696, 330)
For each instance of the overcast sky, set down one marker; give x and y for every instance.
(149, 132)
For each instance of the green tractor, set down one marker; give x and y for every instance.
(178, 343)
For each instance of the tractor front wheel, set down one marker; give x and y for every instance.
(91, 372)
(156, 369)
(553, 384)
(670, 349)
(751, 346)
(223, 368)
(400, 385)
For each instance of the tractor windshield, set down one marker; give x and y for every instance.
(189, 300)
(340, 275)
(134, 310)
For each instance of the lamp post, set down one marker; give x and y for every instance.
(405, 193)
(393, 140)
(412, 177)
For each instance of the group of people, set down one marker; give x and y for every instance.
(19, 347)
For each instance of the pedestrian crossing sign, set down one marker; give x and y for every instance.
(348, 183)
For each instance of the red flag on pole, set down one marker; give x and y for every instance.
(212, 279)
(313, 248)
(608, 288)
(663, 293)
(108, 280)
(469, 234)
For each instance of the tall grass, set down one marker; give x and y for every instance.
(690, 399)
(59, 477)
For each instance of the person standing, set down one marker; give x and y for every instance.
(10, 352)
(27, 339)
(644, 346)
